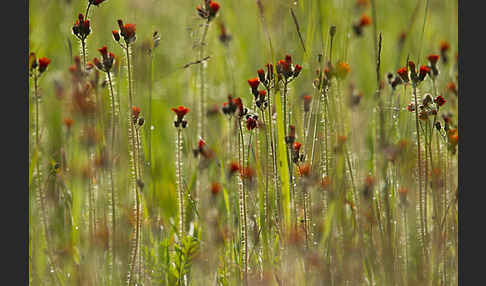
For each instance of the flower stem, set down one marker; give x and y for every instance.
(180, 190)
(419, 163)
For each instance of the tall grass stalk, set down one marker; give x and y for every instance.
(111, 179)
(420, 174)
(180, 188)
(134, 170)
(243, 207)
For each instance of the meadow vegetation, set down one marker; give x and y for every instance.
(234, 142)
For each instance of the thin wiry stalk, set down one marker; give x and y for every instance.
(83, 52)
(134, 167)
(149, 123)
(419, 162)
(201, 124)
(243, 216)
(111, 174)
(180, 189)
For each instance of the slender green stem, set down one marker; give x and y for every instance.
(180, 190)
(112, 183)
(244, 215)
(83, 48)
(419, 166)
(87, 11)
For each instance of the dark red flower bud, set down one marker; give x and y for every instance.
(180, 111)
(292, 130)
(116, 35)
(43, 63)
(213, 8)
(403, 73)
(283, 67)
(247, 173)
(103, 51)
(365, 20)
(288, 59)
(234, 167)
(433, 59)
(261, 75)
(297, 70)
(444, 46)
(304, 170)
(424, 71)
(68, 122)
(411, 107)
(342, 69)
(296, 146)
(239, 106)
(215, 188)
(307, 102)
(451, 86)
(128, 32)
(254, 82)
(439, 100)
(135, 111)
(251, 123)
(411, 66)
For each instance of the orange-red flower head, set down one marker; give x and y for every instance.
(444, 46)
(116, 35)
(247, 173)
(68, 122)
(297, 146)
(180, 111)
(297, 70)
(451, 86)
(213, 8)
(135, 111)
(103, 51)
(342, 69)
(433, 59)
(81, 29)
(233, 167)
(424, 70)
(304, 170)
(209, 11)
(43, 63)
(365, 20)
(254, 82)
(403, 73)
(261, 75)
(127, 31)
(215, 188)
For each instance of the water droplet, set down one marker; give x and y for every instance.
(152, 127)
(76, 228)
